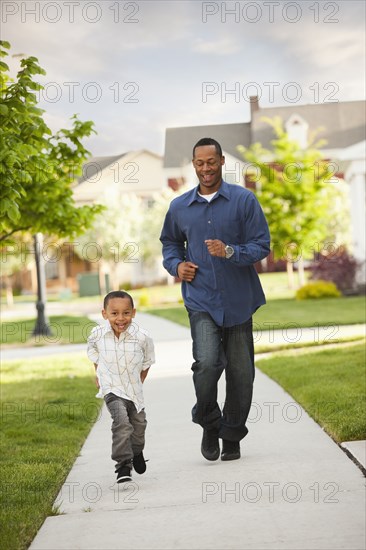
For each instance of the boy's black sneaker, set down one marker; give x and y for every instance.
(230, 450)
(139, 463)
(210, 447)
(124, 472)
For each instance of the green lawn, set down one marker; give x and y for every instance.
(48, 409)
(283, 313)
(280, 313)
(65, 329)
(275, 286)
(329, 384)
(309, 313)
(48, 412)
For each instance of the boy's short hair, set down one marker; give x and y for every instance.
(117, 294)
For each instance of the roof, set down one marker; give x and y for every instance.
(179, 142)
(343, 123)
(95, 165)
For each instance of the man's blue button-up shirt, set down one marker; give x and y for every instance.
(228, 289)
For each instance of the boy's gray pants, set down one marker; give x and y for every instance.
(128, 428)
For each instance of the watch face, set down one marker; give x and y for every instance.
(229, 251)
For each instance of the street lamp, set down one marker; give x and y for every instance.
(42, 327)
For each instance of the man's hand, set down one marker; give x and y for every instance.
(216, 248)
(187, 271)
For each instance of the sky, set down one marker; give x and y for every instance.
(136, 68)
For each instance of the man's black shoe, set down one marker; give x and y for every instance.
(139, 463)
(210, 447)
(124, 473)
(230, 450)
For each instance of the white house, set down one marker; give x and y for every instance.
(104, 179)
(138, 172)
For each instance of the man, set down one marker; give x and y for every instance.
(212, 236)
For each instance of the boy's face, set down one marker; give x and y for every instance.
(119, 313)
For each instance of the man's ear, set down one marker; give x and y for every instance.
(133, 312)
(222, 161)
(104, 313)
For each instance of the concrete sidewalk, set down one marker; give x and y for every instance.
(293, 488)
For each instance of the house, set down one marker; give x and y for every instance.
(138, 172)
(103, 180)
(342, 126)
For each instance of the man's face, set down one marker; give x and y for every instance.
(208, 165)
(119, 313)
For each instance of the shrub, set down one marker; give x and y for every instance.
(125, 286)
(144, 299)
(318, 289)
(340, 268)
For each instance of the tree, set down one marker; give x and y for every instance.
(37, 169)
(294, 187)
(13, 258)
(115, 236)
(152, 224)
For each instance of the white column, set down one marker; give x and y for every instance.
(355, 176)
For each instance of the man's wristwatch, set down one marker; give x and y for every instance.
(229, 251)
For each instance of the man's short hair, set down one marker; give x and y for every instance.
(117, 294)
(208, 141)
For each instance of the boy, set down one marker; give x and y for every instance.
(122, 354)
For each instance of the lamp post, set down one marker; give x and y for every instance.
(42, 327)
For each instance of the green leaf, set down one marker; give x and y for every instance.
(3, 110)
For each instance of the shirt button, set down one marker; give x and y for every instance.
(209, 221)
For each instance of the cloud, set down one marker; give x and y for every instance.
(169, 52)
(223, 46)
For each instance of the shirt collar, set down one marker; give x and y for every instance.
(223, 190)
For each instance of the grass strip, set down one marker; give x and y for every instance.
(329, 385)
(66, 329)
(317, 343)
(290, 313)
(48, 408)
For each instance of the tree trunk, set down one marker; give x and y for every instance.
(101, 276)
(301, 271)
(290, 275)
(114, 282)
(9, 291)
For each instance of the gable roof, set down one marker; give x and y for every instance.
(179, 142)
(343, 123)
(95, 165)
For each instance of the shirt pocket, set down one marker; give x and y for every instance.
(233, 231)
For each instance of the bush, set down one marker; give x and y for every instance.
(144, 299)
(318, 289)
(125, 286)
(340, 268)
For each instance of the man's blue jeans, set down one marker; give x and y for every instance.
(216, 349)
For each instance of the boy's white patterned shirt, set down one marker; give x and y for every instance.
(121, 360)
